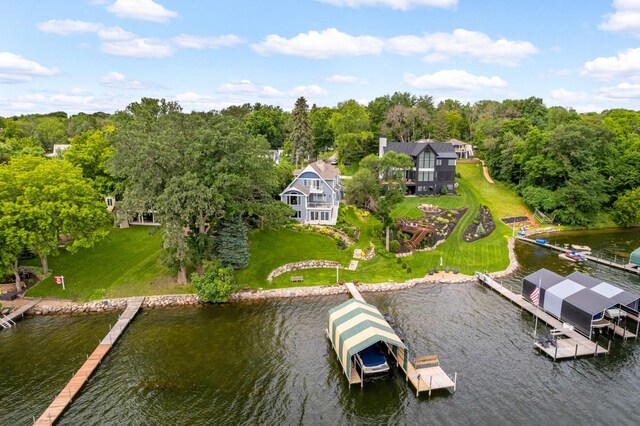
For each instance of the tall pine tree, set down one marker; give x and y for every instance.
(232, 243)
(301, 141)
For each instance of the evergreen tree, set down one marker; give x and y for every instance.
(301, 141)
(232, 243)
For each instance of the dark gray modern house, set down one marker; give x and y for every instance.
(435, 165)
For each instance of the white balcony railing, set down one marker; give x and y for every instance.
(313, 205)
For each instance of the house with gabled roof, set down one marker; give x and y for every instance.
(315, 194)
(434, 165)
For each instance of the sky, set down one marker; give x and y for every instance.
(101, 55)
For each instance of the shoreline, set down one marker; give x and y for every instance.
(66, 307)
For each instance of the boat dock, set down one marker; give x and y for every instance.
(610, 263)
(569, 343)
(424, 373)
(8, 321)
(64, 398)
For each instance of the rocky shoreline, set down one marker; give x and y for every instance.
(63, 307)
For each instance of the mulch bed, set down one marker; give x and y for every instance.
(444, 222)
(485, 219)
(514, 219)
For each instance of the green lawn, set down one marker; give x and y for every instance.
(270, 249)
(126, 263)
(487, 254)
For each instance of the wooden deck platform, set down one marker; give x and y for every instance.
(8, 321)
(429, 376)
(64, 398)
(354, 292)
(571, 344)
(623, 267)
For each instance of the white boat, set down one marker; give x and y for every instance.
(581, 249)
(572, 256)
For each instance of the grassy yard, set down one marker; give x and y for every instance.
(126, 263)
(489, 253)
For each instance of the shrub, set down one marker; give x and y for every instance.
(394, 246)
(409, 270)
(216, 284)
(443, 190)
(398, 260)
(404, 266)
(458, 175)
(341, 244)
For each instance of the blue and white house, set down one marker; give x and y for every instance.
(315, 194)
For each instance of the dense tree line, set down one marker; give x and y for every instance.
(209, 176)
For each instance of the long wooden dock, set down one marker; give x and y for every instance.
(8, 321)
(623, 267)
(425, 373)
(64, 398)
(570, 344)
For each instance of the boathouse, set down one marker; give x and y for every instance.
(354, 326)
(578, 299)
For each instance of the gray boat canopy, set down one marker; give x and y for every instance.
(577, 299)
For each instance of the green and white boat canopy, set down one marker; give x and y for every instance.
(354, 326)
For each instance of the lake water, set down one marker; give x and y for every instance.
(269, 363)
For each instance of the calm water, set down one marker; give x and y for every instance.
(270, 363)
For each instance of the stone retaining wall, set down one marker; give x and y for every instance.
(307, 264)
(513, 261)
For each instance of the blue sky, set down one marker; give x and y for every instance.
(100, 55)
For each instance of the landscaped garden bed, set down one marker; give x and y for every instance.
(481, 226)
(436, 225)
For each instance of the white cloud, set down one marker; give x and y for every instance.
(313, 91)
(118, 80)
(455, 80)
(625, 19)
(347, 79)
(622, 91)
(139, 48)
(320, 45)
(568, 96)
(16, 69)
(70, 27)
(393, 4)
(115, 33)
(199, 42)
(144, 10)
(247, 87)
(626, 63)
(463, 42)
(72, 101)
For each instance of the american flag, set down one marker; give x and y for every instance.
(535, 296)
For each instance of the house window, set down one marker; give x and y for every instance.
(297, 215)
(426, 160)
(452, 162)
(425, 176)
(292, 200)
(109, 201)
(438, 162)
(315, 184)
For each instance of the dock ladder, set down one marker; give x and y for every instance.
(6, 322)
